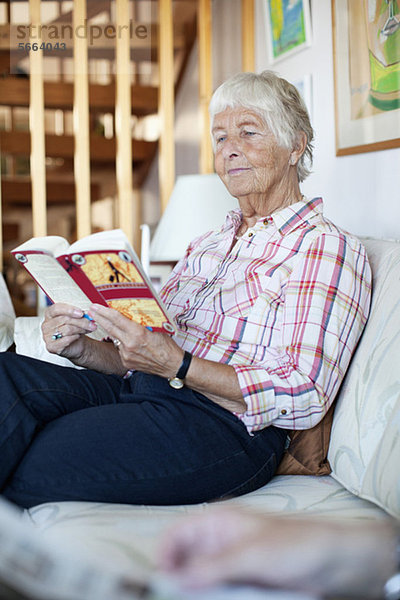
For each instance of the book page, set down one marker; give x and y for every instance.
(115, 239)
(58, 285)
(55, 281)
(51, 244)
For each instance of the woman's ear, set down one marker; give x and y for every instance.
(299, 148)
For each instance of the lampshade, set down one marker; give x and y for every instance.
(197, 204)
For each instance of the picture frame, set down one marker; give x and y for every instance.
(288, 27)
(366, 59)
(304, 86)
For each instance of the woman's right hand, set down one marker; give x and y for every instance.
(64, 331)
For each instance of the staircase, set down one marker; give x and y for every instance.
(15, 137)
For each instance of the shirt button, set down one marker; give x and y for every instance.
(267, 221)
(283, 411)
(250, 234)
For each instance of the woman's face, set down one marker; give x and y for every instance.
(247, 157)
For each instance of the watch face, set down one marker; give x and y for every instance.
(176, 383)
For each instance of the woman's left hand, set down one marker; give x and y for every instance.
(139, 348)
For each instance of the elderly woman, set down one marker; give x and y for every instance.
(268, 308)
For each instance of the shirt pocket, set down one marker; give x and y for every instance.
(241, 293)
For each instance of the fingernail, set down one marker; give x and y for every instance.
(95, 307)
(77, 313)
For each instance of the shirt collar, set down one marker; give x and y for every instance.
(289, 218)
(285, 220)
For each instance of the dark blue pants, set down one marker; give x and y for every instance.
(68, 434)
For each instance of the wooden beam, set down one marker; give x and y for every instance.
(36, 126)
(10, 232)
(125, 212)
(14, 91)
(81, 124)
(166, 160)
(19, 193)
(248, 35)
(102, 150)
(205, 83)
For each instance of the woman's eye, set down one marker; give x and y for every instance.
(249, 133)
(220, 138)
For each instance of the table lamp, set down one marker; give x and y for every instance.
(197, 204)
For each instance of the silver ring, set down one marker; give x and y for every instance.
(116, 342)
(57, 335)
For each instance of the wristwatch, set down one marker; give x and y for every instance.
(178, 381)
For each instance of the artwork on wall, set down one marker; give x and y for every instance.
(289, 27)
(366, 52)
(304, 86)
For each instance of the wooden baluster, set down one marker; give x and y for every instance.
(36, 126)
(125, 215)
(81, 123)
(204, 22)
(1, 228)
(166, 109)
(248, 60)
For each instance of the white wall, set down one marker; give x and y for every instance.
(361, 191)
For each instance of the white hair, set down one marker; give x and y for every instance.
(277, 102)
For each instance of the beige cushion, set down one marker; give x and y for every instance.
(364, 451)
(128, 536)
(7, 317)
(29, 341)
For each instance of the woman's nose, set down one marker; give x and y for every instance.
(230, 148)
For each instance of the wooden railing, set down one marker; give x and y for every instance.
(128, 200)
(36, 126)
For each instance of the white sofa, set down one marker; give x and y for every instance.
(364, 450)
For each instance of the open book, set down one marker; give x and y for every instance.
(101, 268)
(57, 567)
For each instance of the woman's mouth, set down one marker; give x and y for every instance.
(237, 170)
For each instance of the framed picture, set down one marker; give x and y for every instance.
(304, 86)
(289, 27)
(366, 53)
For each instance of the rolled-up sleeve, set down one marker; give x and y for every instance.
(325, 304)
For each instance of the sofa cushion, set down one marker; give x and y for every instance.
(7, 317)
(128, 536)
(364, 451)
(29, 342)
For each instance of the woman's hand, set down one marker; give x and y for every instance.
(139, 348)
(335, 558)
(64, 331)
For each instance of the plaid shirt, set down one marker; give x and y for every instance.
(285, 308)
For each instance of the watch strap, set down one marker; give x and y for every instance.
(184, 368)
